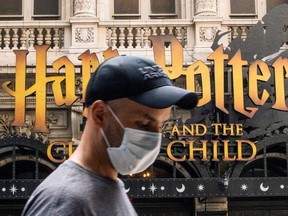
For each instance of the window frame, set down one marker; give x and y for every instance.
(133, 16)
(243, 15)
(145, 12)
(163, 15)
(37, 16)
(14, 17)
(274, 5)
(27, 13)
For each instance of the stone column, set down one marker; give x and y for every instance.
(84, 8)
(84, 25)
(205, 7)
(207, 23)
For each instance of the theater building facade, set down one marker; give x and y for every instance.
(228, 156)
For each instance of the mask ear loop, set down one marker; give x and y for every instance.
(105, 138)
(116, 118)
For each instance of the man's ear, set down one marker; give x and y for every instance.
(98, 110)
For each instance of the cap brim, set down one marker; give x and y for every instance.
(166, 96)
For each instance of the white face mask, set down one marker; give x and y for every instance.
(138, 149)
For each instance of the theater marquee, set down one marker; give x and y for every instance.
(255, 70)
(258, 72)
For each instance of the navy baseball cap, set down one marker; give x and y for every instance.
(139, 79)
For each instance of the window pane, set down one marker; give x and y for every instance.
(273, 3)
(242, 6)
(46, 7)
(11, 7)
(162, 6)
(126, 6)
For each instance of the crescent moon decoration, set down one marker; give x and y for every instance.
(127, 190)
(264, 189)
(182, 189)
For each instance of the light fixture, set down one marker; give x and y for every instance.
(224, 182)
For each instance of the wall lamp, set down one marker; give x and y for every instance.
(224, 182)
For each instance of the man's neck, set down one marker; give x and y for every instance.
(93, 157)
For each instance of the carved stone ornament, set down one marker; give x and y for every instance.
(84, 35)
(207, 34)
(206, 7)
(7, 129)
(78, 84)
(85, 8)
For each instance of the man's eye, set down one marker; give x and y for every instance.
(142, 125)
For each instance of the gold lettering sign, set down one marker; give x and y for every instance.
(258, 72)
(41, 80)
(199, 130)
(203, 154)
(62, 147)
(174, 71)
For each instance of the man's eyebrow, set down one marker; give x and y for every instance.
(153, 119)
(147, 116)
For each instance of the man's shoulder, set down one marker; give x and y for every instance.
(71, 178)
(56, 193)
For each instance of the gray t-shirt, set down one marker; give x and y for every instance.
(73, 190)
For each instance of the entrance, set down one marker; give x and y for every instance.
(269, 206)
(11, 207)
(165, 207)
(21, 160)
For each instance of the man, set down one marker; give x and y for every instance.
(128, 99)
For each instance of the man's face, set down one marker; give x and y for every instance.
(136, 116)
